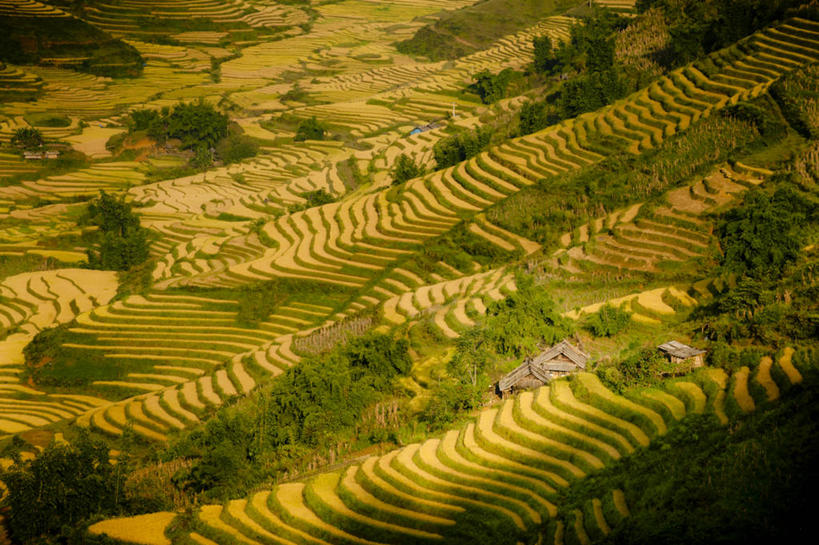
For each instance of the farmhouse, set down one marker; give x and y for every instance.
(680, 353)
(560, 360)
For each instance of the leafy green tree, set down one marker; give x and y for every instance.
(762, 235)
(472, 357)
(491, 87)
(645, 368)
(447, 400)
(533, 117)
(202, 158)
(143, 119)
(59, 489)
(545, 60)
(591, 92)
(405, 169)
(608, 321)
(309, 129)
(197, 124)
(460, 147)
(120, 240)
(516, 325)
(27, 138)
(313, 404)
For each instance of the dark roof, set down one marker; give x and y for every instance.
(542, 365)
(680, 350)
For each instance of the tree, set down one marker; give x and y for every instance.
(608, 321)
(405, 169)
(309, 129)
(143, 119)
(120, 240)
(545, 60)
(460, 147)
(761, 236)
(533, 117)
(27, 138)
(472, 356)
(528, 317)
(492, 87)
(60, 488)
(197, 124)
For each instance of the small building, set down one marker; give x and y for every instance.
(32, 155)
(560, 360)
(52, 154)
(679, 353)
(424, 128)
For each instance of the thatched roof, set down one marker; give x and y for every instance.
(680, 350)
(542, 365)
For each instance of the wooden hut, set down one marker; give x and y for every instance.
(679, 353)
(560, 360)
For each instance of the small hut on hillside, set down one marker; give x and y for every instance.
(560, 360)
(679, 353)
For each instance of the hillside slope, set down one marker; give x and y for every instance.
(503, 477)
(36, 33)
(473, 28)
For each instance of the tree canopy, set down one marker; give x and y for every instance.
(762, 235)
(60, 488)
(27, 138)
(120, 242)
(405, 168)
(309, 129)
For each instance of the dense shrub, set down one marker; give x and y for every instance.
(460, 147)
(762, 235)
(534, 116)
(309, 129)
(492, 87)
(646, 368)
(236, 147)
(524, 320)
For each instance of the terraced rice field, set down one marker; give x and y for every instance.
(428, 206)
(452, 303)
(32, 302)
(506, 467)
(185, 354)
(120, 18)
(647, 307)
(633, 239)
(17, 83)
(29, 8)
